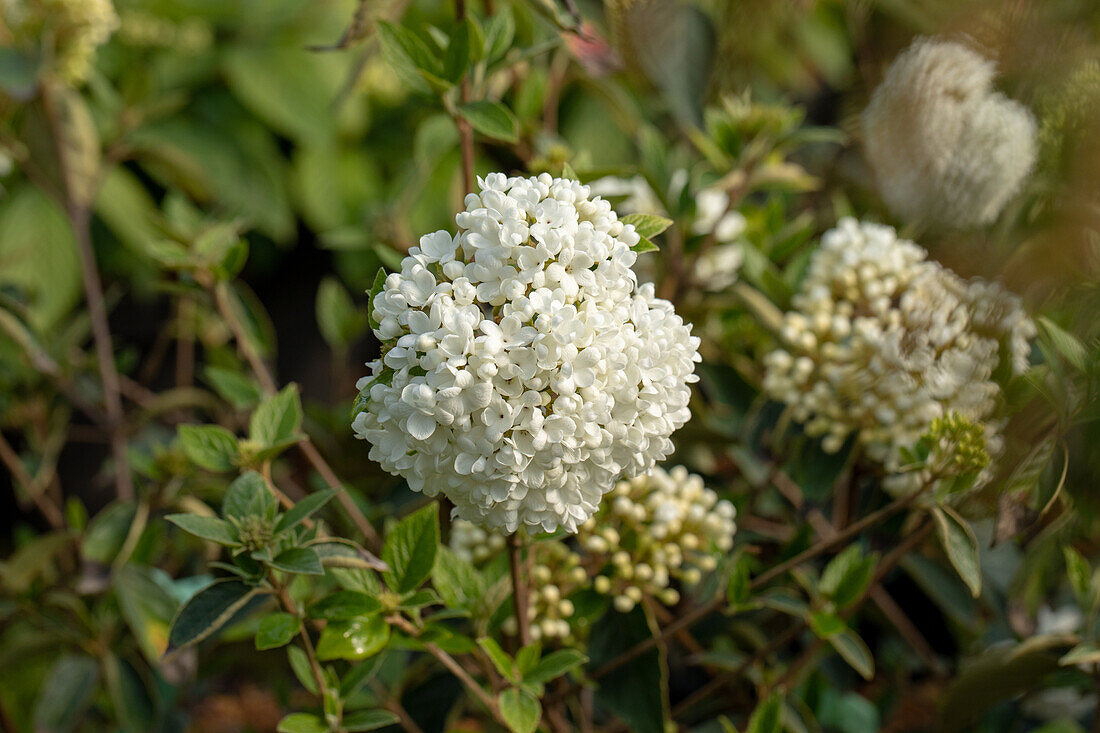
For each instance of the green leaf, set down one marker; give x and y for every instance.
(130, 699)
(208, 610)
(961, 546)
(340, 321)
(636, 692)
(738, 590)
(359, 674)
(826, 625)
(148, 606)
(375, 289)
(852, 649)
(368, 720)
(464, 48)
(491, 119)
(235, 388)
(356, 639)
(208, 528)
(499, 33)
(1080, 577)
(299, 664)
(302, 723)
(1066, 344)
(643, 246)
(344, 605)
(75, 147)
(278, 418)
(1000, 673)
(1081, 654)
(300, 560)
(457, 581)
(520, 709)
(554, 665)
(647, 225)
(210, 446)
(304, 508)
(500, 658)
(277, 630)
(248, 495)
(528, 657)
(411, 58)
(65, 693)
(766, 718)
(107, 532)
(410, 549)
(846, 576)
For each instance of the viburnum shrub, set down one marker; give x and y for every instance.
(531, 365)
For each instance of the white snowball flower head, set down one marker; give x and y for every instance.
(944, 147)
(524, 370)
(882, 341)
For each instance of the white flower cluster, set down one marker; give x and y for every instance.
(883, 341)
(524, 371)
(716, 268)
(661, 527)
(944, 147)
(74, 28)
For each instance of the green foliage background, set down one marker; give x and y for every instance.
(241, 171)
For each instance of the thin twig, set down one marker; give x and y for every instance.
(307, 643)
(223, 302)
(19, 472)
(519, 588)
(694, 616)
(453, 667)
(79, 219)
(890, 609)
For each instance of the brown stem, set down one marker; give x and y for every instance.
(453, 667)
(888, 563)
(19, 472)
(307, 643)
(185, 343)
(692, 617)
(394, 706)
(228, 313)
(519, 588)
(101, 334)
(890, 609)
(79, 219)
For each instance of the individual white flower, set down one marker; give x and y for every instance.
(944, 147)
(881, 342)
(523, 369)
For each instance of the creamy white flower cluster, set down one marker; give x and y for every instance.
(76, 28)
(882, 341)
(944, 147)
(716, 268)
(524, 371)
(661, 527)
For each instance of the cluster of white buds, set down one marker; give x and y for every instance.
(661, 528)
(883, 341)
(74, 28)
(524, 371)
(658, 527)
(945, 148)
